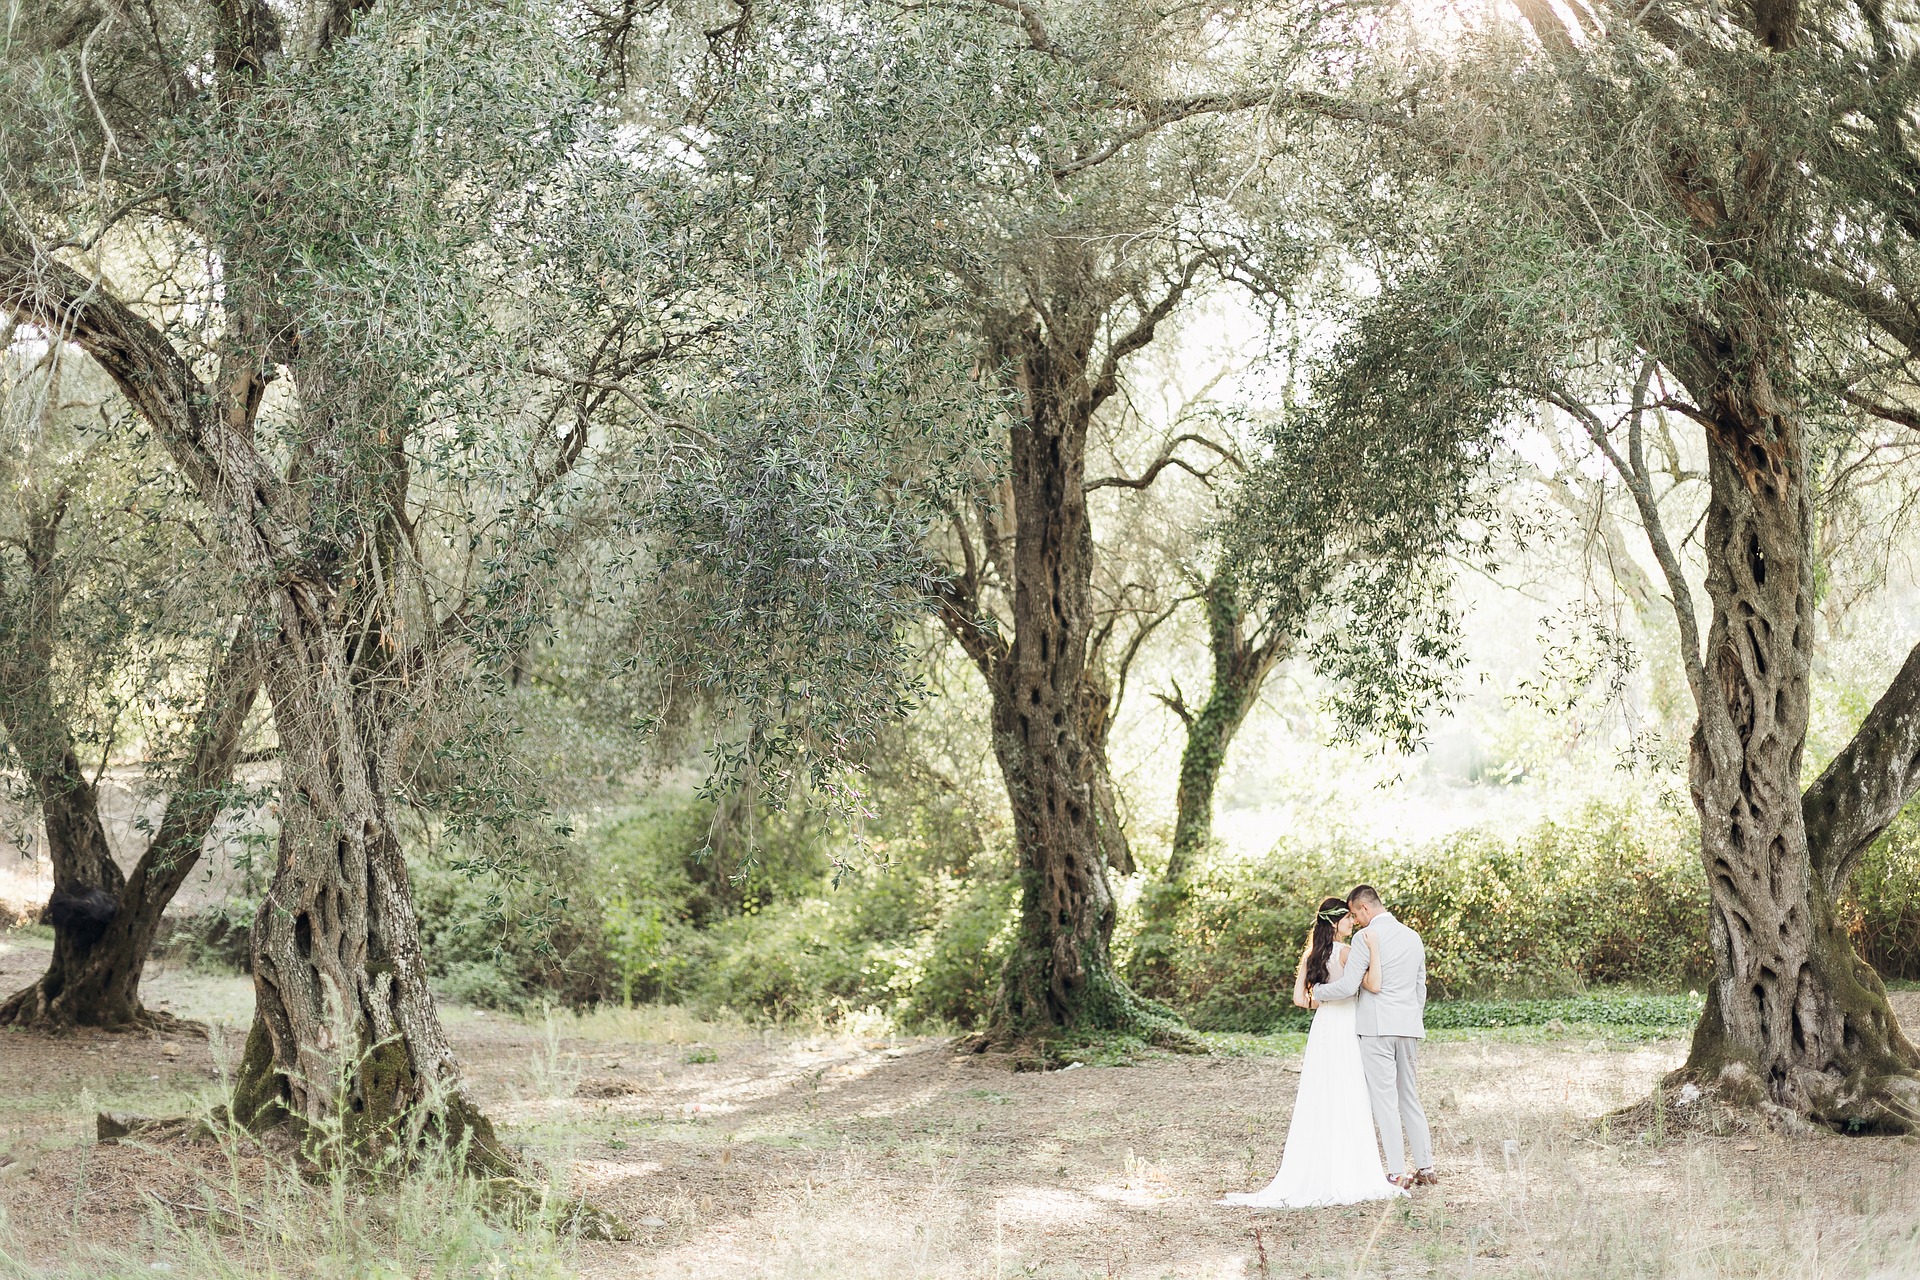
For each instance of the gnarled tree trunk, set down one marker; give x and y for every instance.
(1050, 717)
(346, 1034)
(1795, 1019)
(346, 1029)
(1060, 973)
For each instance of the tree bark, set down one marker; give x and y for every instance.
(1050, 712)
(1795, 1019)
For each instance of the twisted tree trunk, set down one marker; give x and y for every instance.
(346, 1033)
(346, 1037)
(1050, 716)
(1795, 1019)
(1060, 972)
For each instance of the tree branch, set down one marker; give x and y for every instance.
(1176, 703)
(1895, 414)
(1158, 115)
(1132, 650)
(199, 791)
(982, 644)
(219, 460)
(1633, 472)
(1858, 795)
(1895, 316)
(1166, 460)
(1142, 333)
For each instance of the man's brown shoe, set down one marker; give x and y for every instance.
(1426, 1178)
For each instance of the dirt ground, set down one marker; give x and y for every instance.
(736, 1152)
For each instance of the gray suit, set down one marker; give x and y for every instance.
(1391, 1027)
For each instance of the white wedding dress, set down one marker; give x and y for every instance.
(1332, 1156)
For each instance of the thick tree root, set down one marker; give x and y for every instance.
(1734, 1101)
(1112, 1022)
(456, 1125)
(29, 1009)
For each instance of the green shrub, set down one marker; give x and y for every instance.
(506, 943)
(1615, 896)
(667, 850)
(923, 950)
(958, 971)
(218, 936)
(1882, 904)
(1670, 1015)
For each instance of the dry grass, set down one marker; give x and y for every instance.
(742, 1153)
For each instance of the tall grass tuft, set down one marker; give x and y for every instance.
(331, 1207)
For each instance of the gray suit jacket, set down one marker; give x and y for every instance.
(1399, 1008)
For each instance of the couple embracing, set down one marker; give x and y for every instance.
(1369, 993)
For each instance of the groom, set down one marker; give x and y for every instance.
(1391, 1027)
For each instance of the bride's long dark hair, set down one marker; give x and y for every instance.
(1320, 949)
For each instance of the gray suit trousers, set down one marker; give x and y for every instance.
(1391, 1064)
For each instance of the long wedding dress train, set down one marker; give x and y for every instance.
(1332, 1156)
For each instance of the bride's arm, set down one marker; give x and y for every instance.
(1300, 981)
(1372, 981)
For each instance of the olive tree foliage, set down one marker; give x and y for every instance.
(1362, 502)
(118, 637)
(1055, 183)
(785, 546)
(398, 292)
(1709, 213)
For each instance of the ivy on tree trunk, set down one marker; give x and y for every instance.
(1241, 664)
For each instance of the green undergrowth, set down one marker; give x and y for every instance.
(1627, 1013)
(1619, 1017)
(780, 919)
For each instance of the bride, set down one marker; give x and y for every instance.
(1331, 1156)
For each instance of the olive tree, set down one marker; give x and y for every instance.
(114, 631)
(1622, 211)
(322, 273)
(1063, 182)
(403, 294)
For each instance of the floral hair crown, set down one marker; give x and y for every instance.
(1333, 917)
